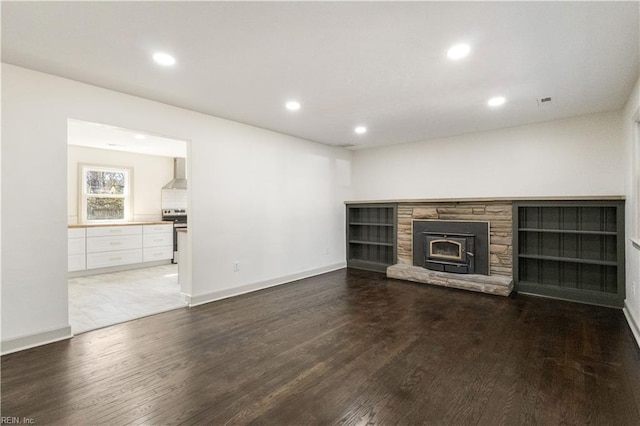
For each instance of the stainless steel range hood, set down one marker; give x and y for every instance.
(179, 180)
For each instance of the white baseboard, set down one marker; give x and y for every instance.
(248, 288)
(632, 323)
(32, 340)
(120, 268)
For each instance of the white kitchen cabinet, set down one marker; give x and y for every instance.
(157, 242)
(73, 233)
(184, 265)
(157, 253)
(158, 229)
(76, 262)
(106, 231)
(113, 258)
(96, 247)
(113, 246)
(76, 246)
(76, 243)
(121, 242)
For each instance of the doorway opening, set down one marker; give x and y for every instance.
(122, 251)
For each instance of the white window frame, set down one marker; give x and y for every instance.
(83, 195)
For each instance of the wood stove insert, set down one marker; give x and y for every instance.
(451, 246)
(449, 252)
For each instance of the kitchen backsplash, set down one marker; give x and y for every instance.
(174, 199)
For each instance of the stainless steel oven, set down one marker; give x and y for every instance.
(179, 219)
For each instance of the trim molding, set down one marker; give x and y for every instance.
(492, 199)
(108, 269)
(632, 323)
(32, 340)
(260, 285)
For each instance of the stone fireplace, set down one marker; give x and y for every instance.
(482, 263)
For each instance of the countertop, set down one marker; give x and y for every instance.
(101, 225)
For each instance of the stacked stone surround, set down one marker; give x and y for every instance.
(497, 213)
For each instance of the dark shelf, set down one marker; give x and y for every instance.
(568, 231)
(372, 243)
(568, 259)
(594, 297)
(367, 265)
(571, 250)
(370, 224)
(371, 236)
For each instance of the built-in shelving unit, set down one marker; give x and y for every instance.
(571, 250)
(371, 236)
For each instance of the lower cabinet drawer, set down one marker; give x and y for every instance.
(77, 262)
(157, 240)
(157, 253)
(120, 243)
(158, 229)
(113, 258)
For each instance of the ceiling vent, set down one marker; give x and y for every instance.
(545, 101)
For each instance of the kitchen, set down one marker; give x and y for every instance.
(126, 199)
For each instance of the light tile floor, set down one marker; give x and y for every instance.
(97, 301)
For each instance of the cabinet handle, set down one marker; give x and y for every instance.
(115, 258)
(116, 243)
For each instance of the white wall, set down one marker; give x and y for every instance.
(632, 140)
(572, 157)
(272, 202)
(150, 174)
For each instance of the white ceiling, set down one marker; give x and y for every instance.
(380, 64)
(101, 136)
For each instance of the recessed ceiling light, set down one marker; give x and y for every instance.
(360, 130)
(164, 59)
(139, 136)
(292, 105)
(496, 101)
(458, 51)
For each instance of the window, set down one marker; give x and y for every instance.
(105, 193)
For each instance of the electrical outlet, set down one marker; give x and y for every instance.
(236, 266)
(326, 251)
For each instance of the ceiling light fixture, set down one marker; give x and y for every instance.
(139, 136)
(164, 59)
(458, 51)
(292, 105)
(496, 101)
(360, 130)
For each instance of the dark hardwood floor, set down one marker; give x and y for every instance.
(346, 347)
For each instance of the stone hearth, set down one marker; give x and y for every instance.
(491, 284)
